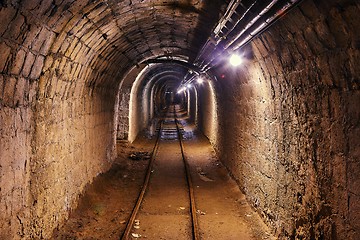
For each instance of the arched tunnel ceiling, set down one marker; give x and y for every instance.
(98, 41)
(170, 74)
(124, 33)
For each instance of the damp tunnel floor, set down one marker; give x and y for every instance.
(221, 209)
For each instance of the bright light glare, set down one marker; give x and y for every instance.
(235, 60)
(181, 90)
(188, 85)
(199, 80)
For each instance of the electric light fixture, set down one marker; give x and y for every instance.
(235, 60)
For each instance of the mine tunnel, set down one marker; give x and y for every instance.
(83, 80)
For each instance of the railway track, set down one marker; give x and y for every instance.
(162, 133)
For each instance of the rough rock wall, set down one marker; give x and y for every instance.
(55, 118)
(71, 146)
(208, 112)
(15, 151)
(123, 114)
(290, 122)
(19, 68)
(193, 104)
(136, 121)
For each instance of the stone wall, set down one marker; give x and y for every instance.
(193, 104)
(208, 121)
(123, 114)
(136, 116)
(290, 122)
(15, 151)
(71, 146)
(56, 116)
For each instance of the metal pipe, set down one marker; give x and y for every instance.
(265, 22)
(244, 26)
(240, 30)
(243, 31)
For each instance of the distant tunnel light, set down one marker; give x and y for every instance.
(199, 80)
(235, 60)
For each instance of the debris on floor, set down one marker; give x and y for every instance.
(135, 235)
(200, 171)
(200, 212)
(139, 156)
(202, 175)
(137, 224)
(205, 178)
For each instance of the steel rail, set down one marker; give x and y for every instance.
(130, 223)
(195, 225)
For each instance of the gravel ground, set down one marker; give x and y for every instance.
(105, 206)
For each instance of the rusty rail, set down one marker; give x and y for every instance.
(195, 225)
(136, 208)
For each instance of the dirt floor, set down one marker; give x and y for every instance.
(223, 212)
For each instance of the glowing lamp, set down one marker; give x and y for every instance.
(199, 80)
(235, 60)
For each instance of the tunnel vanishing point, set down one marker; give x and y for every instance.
(78, 75)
